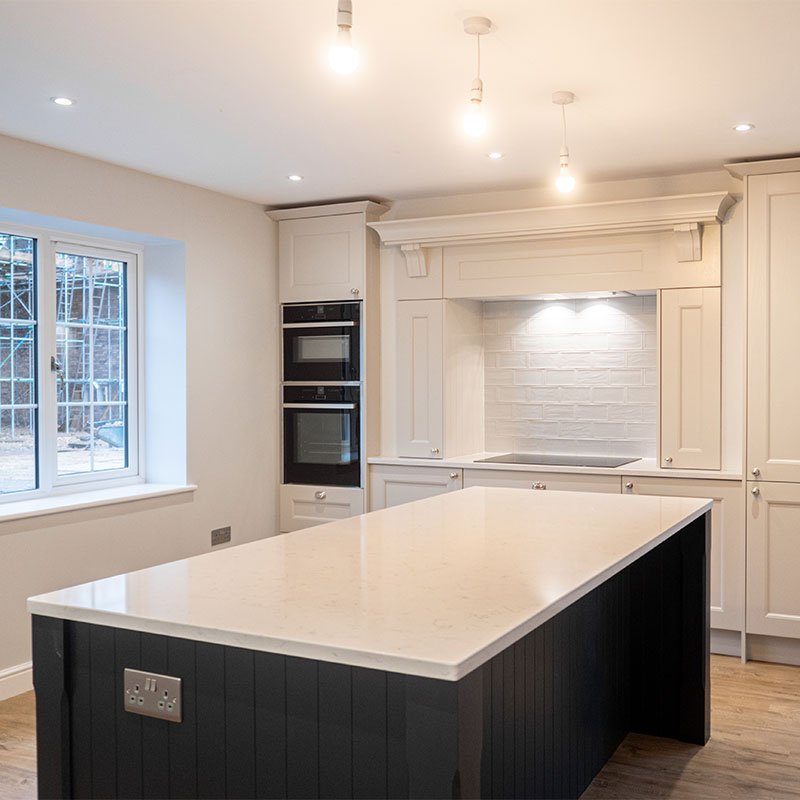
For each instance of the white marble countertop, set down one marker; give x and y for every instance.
(432, 588)
(644, 467)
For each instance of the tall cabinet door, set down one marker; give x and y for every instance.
(321, 258)
(420, 359)
(690, 378)
(773, 292)
(773, 553)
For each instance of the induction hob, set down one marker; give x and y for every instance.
(558, 460)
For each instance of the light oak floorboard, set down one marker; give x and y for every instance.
(754, 750)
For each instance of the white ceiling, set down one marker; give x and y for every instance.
(235, 95)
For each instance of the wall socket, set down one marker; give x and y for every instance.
(220, 535)
(152, 695)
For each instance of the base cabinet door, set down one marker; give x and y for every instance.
(727, 539)
(558, 481)
(773, 559)
(393, 486)
(304, 506)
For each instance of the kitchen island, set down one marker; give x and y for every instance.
(488, 642)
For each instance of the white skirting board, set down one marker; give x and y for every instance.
(773, 649)
(16, 680)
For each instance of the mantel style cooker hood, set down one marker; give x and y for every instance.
(558, 460)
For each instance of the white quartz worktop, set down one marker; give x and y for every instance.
(644, 467)
(432, 588)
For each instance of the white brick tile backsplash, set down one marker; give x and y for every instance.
(571, 376)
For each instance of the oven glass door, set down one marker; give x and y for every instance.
(323, 353)
(321, 444)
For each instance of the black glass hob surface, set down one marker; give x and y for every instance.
(557, 460)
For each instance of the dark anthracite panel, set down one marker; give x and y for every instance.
(270, 711)
(396, 757)
(155, 736)
(302, 721)
(519, 718)
(496, 667)
(50, 677)
(80, 694)
(127, 645)
(240, 766)
(210, 708)
(369, 733)
(336, 721)
(104, 704)
(508, 721)
(183, 736)
(540, 723)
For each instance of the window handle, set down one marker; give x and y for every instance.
(57, 367)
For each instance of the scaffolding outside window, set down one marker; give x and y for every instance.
(68, 374)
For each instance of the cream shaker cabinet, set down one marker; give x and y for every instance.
(773, 558)
(391, 485)
(727, 539)
(439, 374)
(690, 378)
(326, 253)
(773, 291)
(555, 481)
(303, 506)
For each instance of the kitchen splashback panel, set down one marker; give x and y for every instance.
(572, 376)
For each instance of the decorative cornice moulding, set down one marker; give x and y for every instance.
(618, 216)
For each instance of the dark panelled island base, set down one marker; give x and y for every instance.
(538, 720)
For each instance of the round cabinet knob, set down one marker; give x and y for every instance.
(756, 472)
(453, 476)
(629, 485)
(434, 450)
(668, 459)
(539, 485)
(354, 292)
(756, 491)
(320, 495)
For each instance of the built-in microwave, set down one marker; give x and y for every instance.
(321, 435)
(322, 342)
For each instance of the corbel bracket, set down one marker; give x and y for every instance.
(688, 241)
(416, 260)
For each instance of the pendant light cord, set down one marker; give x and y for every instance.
(564, 122)
(478, 42)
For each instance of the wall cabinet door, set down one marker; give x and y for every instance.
(322, 258)
(773, 291)
(727, 539)
(304, 506)
(690, 378)
(773, 556)
(393, 486)
(558, 481)
(420, 365)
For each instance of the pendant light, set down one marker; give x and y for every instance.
(474, 119)
(564, 182)
(343, 56)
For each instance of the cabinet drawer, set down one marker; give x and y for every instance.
(559, 481)
(393, 486)
(304, 506)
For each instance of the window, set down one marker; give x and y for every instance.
(68, 365)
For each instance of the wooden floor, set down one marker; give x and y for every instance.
(754, 750)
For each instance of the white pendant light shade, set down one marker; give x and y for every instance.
(343, 57)
(565, 182)
(475, 122)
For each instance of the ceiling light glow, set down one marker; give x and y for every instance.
(564, 182)
(475, 120)
(495, 155)
(743, 127)
(295, 178)
(62, 101)
(343, 57)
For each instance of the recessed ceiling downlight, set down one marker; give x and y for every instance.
(295, 178)
(62, 101)
(495, 155)
(743, 127)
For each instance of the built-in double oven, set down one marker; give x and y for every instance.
(322, 394)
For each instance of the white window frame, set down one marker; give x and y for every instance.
(48, 242)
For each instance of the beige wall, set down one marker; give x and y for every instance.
(231, 335)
